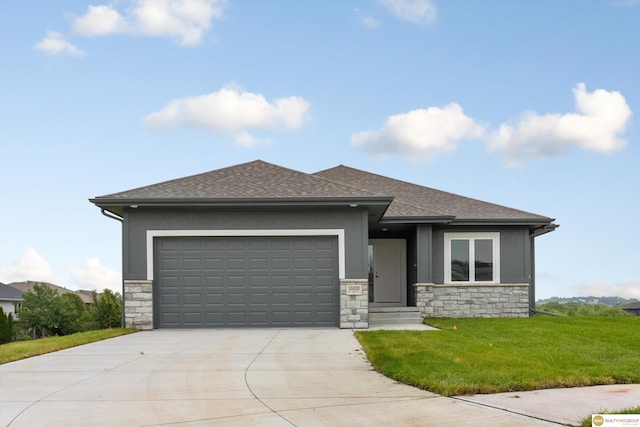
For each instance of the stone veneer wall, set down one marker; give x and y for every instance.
(138, 304)
(477, 300)
(354, 309)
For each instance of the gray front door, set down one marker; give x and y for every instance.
(389, 272)
(246, 281)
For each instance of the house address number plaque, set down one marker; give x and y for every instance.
(354, 289)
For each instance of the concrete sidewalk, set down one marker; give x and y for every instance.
(256, 377)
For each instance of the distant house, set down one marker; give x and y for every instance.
(28, 286)
(258, 244)
(632, 308)
(10, 299)
(84, 294)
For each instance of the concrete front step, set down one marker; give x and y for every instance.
(379, 309)
(395, 322)
(394, 315)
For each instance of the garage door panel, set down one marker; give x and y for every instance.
(170, 299)
(257, 263)
(246, 281)
(214, 299)
(326, 297)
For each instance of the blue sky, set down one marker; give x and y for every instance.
(529, 104)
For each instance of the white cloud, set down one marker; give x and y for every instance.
(30, 266)
(186, 20)
(55, 43)
(601, 118)
(624, 290)
(369, 22)
(416, 11)
(231, 110)
(627, 3)
(100, 20)
(366, 20)
(422, 134)
(92, 274)
(245, 139)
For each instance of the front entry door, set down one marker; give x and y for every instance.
(389, 272)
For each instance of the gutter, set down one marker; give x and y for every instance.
(111, 215)
(543, 230)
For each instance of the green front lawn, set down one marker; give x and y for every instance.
(17, 350)
(501, 355)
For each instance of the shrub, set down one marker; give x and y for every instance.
(107, 310)
(7, 331)
(38, 310)
(72, 314)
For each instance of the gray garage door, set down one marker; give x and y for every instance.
(246, 281)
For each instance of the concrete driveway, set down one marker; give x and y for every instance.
(251, 377)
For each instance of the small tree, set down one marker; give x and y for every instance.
(71, 313)
(6, 327)
(107, 310)
(39, 309)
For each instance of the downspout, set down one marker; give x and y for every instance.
(532, 275)
(111, 215)
(532, 278)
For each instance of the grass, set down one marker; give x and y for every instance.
(634, 410)
(503, 355)
(17, 350)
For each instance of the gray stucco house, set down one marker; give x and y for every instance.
(257, 244)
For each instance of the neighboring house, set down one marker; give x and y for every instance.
(28, 285)
(632, 307)
(261, 245)
(10, 300)
(87, 295)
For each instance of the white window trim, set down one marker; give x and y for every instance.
(151, 234)
(448, 237)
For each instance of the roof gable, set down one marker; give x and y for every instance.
(412, 200)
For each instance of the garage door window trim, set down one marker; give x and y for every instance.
(339, 233)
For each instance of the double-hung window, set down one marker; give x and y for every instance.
(472, 257)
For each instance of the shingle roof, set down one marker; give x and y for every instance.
(257, 179)
(413, 200)
(9, 293)
(28, 285)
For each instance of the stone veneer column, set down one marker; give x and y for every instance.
(138, 304)
(473, 300)
(354, 309)
(424, 298)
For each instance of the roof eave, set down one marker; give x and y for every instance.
(417, 220)
(531, 222)
(117, 205)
